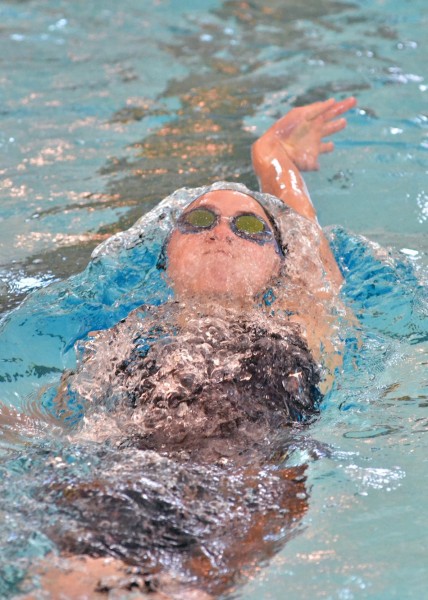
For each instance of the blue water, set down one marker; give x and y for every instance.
(107, 109)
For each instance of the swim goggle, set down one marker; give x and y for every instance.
(245, 225)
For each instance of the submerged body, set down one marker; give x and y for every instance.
(194, 411)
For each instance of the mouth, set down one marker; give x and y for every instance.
(217, 251)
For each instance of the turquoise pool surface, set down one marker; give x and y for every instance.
(105, 110)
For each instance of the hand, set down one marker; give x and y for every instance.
(301, 132)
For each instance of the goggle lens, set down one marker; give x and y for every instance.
(200, 218)
(249, 224)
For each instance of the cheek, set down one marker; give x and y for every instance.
(261, 263)
(183, 254)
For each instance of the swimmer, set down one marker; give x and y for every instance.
(211, 378)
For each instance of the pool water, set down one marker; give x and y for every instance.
(106, 110)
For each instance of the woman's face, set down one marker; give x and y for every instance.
(216, 261)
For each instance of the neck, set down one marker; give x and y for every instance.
(213, 303)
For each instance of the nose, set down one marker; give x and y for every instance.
(221, 231)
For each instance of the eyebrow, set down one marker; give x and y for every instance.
(215, 209)
(187, 210)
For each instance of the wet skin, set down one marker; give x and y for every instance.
(217, 262)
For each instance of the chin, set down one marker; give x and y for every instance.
(216, 290)
(215, 281)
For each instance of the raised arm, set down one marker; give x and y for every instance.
(293, 144)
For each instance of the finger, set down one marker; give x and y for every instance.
(332, 127)
(340, 107)
(326, 147)
(309, 163)
(317, 109)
